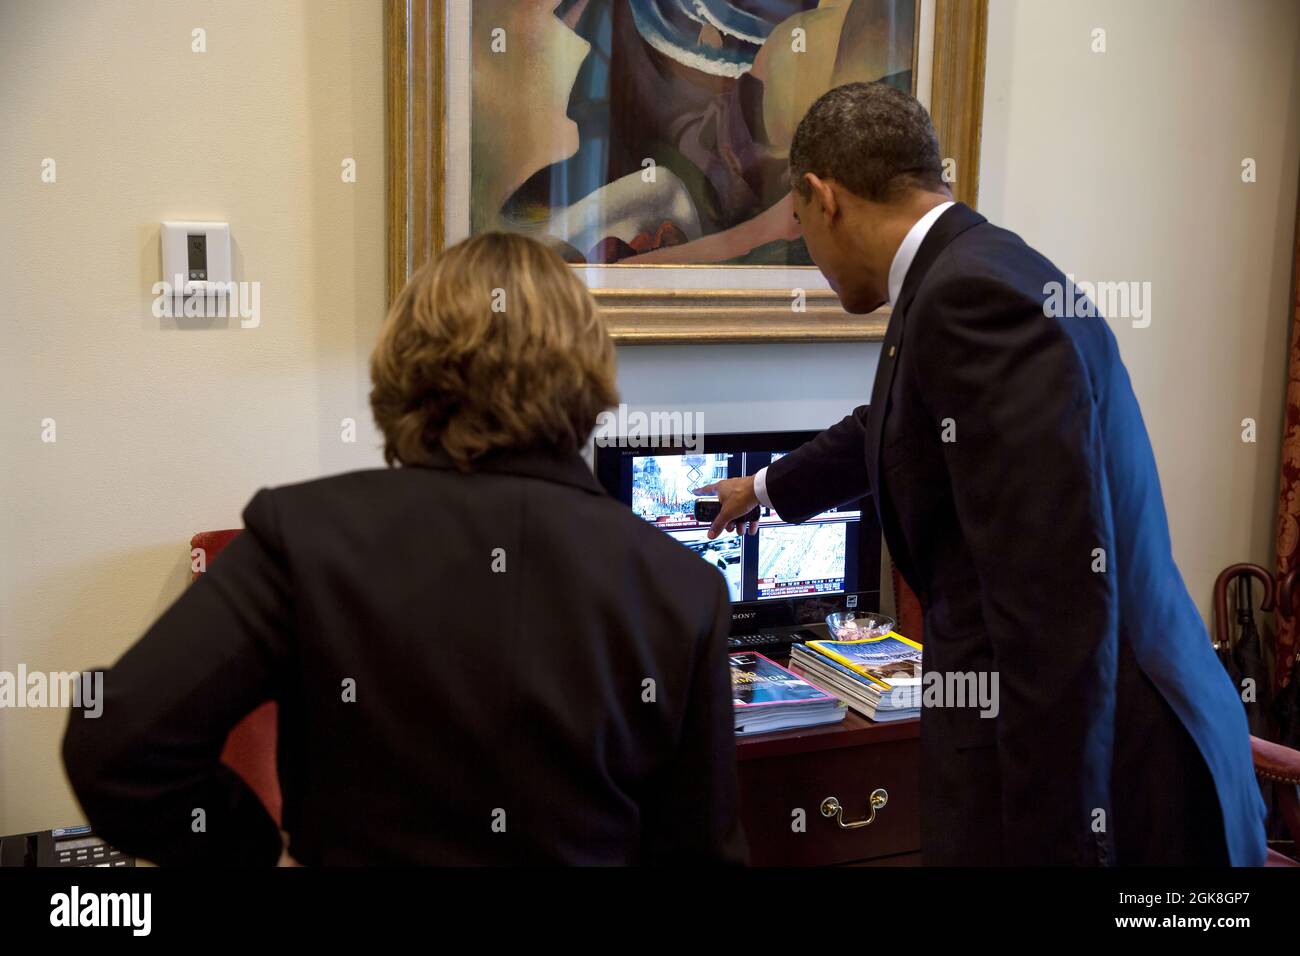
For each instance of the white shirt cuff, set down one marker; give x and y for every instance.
(760, 487)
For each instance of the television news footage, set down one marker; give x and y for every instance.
(833, 556)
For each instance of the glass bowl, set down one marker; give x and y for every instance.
(858, 625)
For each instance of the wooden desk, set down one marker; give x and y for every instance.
(798, 769)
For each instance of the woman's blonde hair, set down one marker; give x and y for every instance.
(494, 344)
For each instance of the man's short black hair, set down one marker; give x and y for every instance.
(873, 139)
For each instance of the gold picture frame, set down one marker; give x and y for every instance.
(415, 32)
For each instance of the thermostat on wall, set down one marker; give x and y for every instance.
(196, 257)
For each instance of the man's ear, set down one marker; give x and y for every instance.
(822, 194)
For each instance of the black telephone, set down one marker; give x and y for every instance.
(63, 846)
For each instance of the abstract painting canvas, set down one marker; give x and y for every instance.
(660, 129)
(648, 141)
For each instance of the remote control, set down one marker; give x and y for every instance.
(706, 509)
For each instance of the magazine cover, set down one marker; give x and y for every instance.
(756, 680)
(889, 661)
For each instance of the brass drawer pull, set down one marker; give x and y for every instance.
(831, 808)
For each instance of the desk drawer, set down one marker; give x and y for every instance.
(772, 788)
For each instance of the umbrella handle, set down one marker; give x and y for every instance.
(1222, 638)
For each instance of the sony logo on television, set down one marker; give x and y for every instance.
(743, 615)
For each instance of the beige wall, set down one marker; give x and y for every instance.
(162, 431)
(1119, 167)
(1127, 166)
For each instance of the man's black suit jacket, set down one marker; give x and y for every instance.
(503, 667)
(1019, 498)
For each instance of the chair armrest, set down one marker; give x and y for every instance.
(1275, 762)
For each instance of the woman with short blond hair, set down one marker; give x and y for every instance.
(459, 643)
(496, 344)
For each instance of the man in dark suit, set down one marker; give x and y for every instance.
(479, 657)
(1019, 498)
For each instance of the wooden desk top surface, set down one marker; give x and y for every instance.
(853, 731)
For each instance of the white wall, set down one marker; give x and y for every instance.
(1126, 165)
(164, 431)
(1122, 166)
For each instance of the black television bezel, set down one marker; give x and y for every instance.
(752, 617)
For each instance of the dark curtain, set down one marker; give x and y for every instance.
(1288, 512)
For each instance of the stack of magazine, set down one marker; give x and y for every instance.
(768, 697)
(879, 677)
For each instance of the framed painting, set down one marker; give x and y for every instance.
(647, 141)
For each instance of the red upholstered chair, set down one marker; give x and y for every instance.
(250, 748)
(1272, 761)
(907, 609)
(1281, 765)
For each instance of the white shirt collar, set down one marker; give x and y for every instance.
(907, 249)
